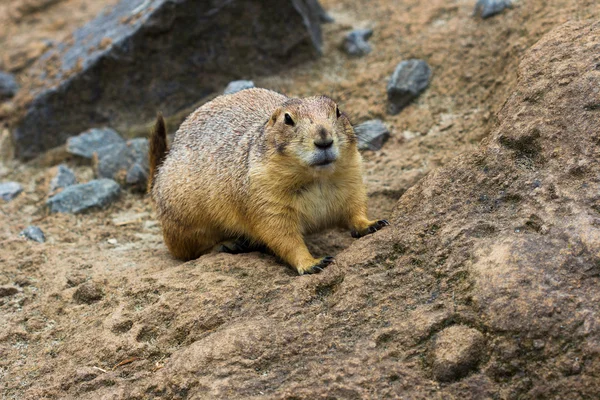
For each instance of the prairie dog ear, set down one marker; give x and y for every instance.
(274, 116)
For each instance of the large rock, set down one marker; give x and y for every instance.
(143, 56)
(93, 140)
(503, 241)
(85, 196)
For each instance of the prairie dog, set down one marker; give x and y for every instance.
(256, 168)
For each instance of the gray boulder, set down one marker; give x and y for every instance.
(355, 42)
(126, 163)
(8, 86)
(142, 56)
(34, 233)
(371, 134)
(489, 8)
(64, 177)
(10, 190)
(236, 86)
(409, 80)
(85, 196)
(87, 143)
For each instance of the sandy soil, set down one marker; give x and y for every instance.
(152, 306)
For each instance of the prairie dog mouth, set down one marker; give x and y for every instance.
(323, 158)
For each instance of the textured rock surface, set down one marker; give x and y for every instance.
(489, 8)
(355, 42)
(88, 293)
(64, 177)
(10, 190)
(371, 134)
(84, 196)
(236, 86)
(87, 143)
(148, 55)
(456, 351)
(244, 326)
(126, 163)
(410, 78)
(34, 233)
(8, 86)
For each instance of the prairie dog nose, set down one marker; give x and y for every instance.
(324, 139)
(324, 143)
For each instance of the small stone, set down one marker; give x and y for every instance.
(8, 291)
(75, 279)
(236, 86)
(8, 86)
(371, 134)
(355, 42)
(82, 197)
(87, 143)
(64, 177)
(489, 8)
(10, 190)
(127, 163)
(34, 233)
(456, 351)
(409, 80)
(88, 293)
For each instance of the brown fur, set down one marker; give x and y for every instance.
(237, 170)
(158, 148)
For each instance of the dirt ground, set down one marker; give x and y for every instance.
(152, 308)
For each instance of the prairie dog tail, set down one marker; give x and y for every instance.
(158, 148)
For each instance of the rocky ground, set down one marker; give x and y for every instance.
(484, 286)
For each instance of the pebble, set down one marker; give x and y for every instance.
(489, 8)
(355, 42)
(10, 190)
(409, 80)
(34, 233)
(91, 141)
(64, 177)
(82, 197)
(371, 134)
(457, 350)
(8, 86)
(236, 86)
(88, 293)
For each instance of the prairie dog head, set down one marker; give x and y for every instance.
(312, 130)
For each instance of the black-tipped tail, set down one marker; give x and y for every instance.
(158, 148)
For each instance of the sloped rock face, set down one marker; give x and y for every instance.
(143, 56)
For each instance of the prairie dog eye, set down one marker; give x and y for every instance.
(337, 112)
(288, 120)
